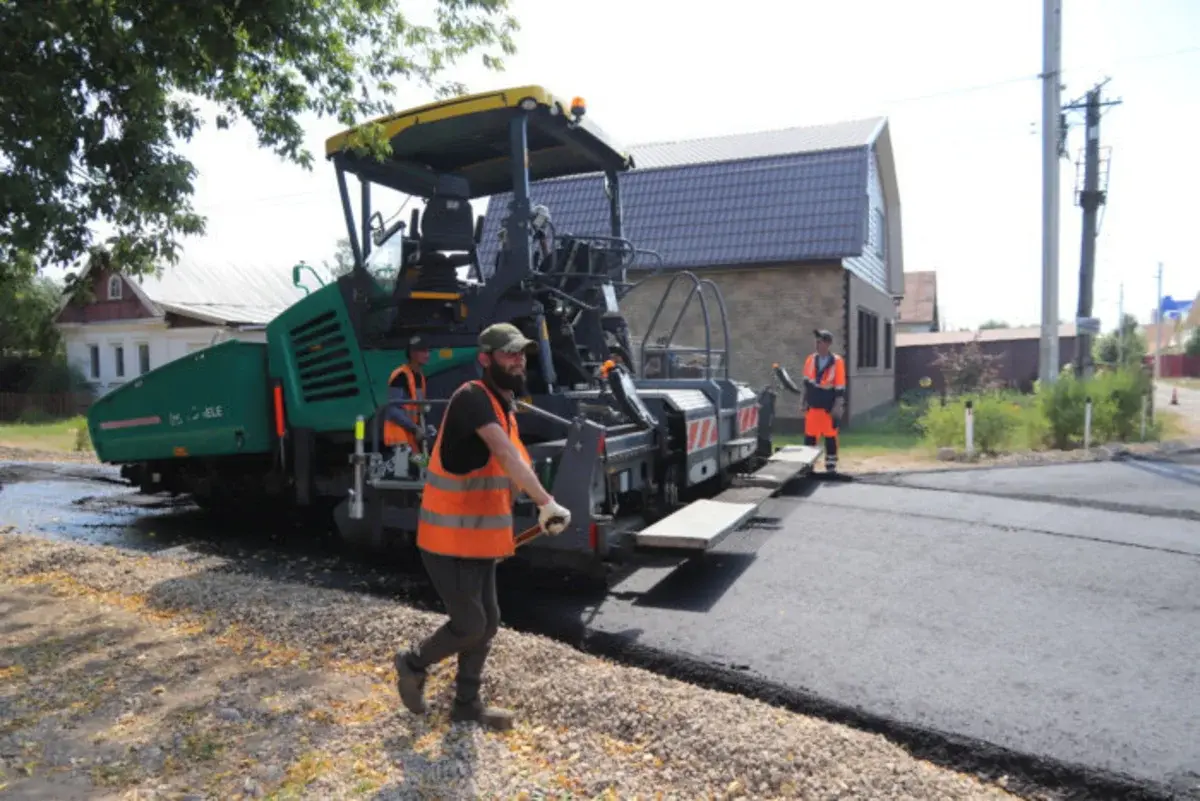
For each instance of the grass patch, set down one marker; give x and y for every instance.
(70, 435)
(868, 439)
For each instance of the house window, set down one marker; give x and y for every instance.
(143, 358)
(868, 339)
(879, 235)
(94, 363)
(119, 360)
(887, 345)
(114, 288)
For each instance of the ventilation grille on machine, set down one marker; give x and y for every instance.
(323, 361)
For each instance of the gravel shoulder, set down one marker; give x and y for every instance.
(177, 678)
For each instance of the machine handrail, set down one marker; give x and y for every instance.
(697, 286)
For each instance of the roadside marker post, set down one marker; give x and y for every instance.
(970, 412)
(1087, 424)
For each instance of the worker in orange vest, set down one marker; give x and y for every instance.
(404, 422)
(824, 397)
(465, 525)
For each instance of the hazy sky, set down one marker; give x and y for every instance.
(957, 78)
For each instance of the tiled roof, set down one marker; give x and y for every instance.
(792, 195)
(919, 338)
(920, 297)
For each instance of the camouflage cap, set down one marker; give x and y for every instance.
(821, 333)
(506, 337)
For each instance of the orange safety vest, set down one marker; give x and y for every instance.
(394, 433)
(819, 390)
(470, 515)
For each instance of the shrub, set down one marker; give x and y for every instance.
(1116, 406)
(910, 409)
(1002, 422)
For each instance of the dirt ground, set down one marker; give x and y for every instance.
(152, 677)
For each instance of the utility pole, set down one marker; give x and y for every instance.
(1051, 152)
(1158, 327)
(1090, 197)
(1121, 326)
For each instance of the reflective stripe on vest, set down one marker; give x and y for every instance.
(470, 515)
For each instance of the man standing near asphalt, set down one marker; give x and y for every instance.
(824, 397)
(465, 523)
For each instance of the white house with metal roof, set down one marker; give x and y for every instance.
(126, 326)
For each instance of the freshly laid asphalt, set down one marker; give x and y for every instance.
(1057, 630)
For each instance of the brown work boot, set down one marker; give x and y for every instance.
(410, 683)
(489, 717)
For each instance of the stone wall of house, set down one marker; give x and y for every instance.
(871, 379)
(771, 311)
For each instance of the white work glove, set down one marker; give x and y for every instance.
(839, 406)
(553, 517)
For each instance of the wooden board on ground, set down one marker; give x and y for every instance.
(698, 526)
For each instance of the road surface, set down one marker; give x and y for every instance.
(999, 605)
(1057, 630)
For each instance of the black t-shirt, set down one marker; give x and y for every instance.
(462, 449)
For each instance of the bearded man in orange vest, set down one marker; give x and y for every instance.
(824, 397)
(465, 525)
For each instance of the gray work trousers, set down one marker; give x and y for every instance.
(468, 589)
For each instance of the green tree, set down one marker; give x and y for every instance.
(96, 94)
(993, 324)
(1110, 351)
(1192, 348)
(30, 303)
(343, 258)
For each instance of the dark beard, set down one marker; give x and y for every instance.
(505, 380)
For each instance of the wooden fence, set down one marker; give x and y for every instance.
(36, 408)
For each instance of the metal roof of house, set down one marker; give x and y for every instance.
(919, 338)
(797, 194)
(920, 297)
(760, 144)
(221, 292)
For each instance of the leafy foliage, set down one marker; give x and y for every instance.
(29, 302)
(1110, 351)
(968, 369)
(95, 95)
(343, 258)
(1192, 348)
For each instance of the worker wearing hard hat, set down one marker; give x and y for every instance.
(404, 422)
(824, 397)
(465, 525)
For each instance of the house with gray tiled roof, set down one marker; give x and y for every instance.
(799, 228)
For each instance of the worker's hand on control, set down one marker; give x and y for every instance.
(553, 517)
(430, 433)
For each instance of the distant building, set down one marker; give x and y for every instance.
(1018, 350)
(130, 326)
(919, 307)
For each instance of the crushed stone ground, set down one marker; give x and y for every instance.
(128, 676)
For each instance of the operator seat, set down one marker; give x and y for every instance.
(447, 242)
